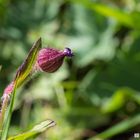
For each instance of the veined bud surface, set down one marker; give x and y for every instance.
(50, 60)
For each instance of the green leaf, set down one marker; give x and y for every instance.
(118, 99)
(34, 131)
(128, 19)
(119, 128)
(117, 14)
(26, 67)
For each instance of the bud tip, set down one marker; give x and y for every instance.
(68, 52)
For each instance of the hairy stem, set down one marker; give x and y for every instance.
(5, 101)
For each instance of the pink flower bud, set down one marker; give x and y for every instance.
(9, 89)
(50, 60)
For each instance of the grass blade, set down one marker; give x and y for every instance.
(25, 69)
(128, 19)
(34, 131)
(119, 128)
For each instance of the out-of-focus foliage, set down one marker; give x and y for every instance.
(97, 92)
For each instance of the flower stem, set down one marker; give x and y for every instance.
(5, 101)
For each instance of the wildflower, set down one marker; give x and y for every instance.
(50, 60)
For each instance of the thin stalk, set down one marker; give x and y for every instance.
(3, 110)
(8, 115)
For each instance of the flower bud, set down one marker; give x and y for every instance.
(9, 89)
(50, 60)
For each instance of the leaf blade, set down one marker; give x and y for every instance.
(37, 129)
(26, 67)
(118, 128)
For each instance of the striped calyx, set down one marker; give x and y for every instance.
(50, 60)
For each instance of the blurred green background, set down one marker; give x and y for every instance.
(94, 95)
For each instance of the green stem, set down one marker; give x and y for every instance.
(7, 117)
(3, 110)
